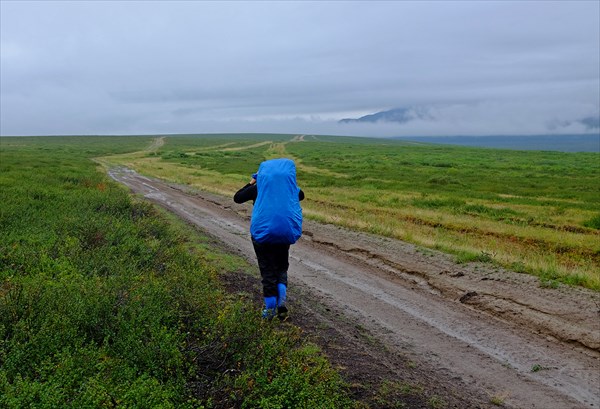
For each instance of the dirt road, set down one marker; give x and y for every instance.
(486, 334)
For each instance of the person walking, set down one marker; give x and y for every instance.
(276, 224)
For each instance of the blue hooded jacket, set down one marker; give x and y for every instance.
(277, 215)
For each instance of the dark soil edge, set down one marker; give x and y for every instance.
(376, 377)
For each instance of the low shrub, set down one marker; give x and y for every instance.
(593, 223)
(104, 303)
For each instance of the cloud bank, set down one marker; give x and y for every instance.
(474, 68)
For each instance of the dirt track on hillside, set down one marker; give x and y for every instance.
(387, 309)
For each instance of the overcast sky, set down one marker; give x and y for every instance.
(469, 68)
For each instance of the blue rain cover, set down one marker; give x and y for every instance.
(277, 215)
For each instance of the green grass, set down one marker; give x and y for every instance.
(536, 210)
(538, 368)
(497, 400)
(105, 301)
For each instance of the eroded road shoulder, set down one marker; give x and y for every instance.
(490, 333)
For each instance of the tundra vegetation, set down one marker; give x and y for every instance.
(535, 212)
(107, 302)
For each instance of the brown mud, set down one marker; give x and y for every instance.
(392, 316)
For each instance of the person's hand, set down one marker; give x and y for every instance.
(252, 181)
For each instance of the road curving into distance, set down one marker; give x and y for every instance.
(489, 331)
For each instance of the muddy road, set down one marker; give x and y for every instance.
(478, 332)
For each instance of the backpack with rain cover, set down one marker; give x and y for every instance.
(277, 215)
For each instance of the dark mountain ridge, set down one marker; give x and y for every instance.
(403, 115)
(400, 115)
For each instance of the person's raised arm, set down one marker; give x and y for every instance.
(248, 192)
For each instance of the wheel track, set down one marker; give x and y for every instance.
(467, 343)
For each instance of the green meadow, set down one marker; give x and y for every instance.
(106, 301)
(534, 212)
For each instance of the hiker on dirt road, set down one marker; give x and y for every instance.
(276, 224)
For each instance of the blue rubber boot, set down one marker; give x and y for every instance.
(282, 294)
(270, 308)
(282, 311)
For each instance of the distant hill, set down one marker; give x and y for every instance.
(403, 115)
(399, 115)
(563, 143)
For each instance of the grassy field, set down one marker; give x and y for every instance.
(105, 301)
(533, 212)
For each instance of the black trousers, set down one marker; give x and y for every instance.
(273, 264)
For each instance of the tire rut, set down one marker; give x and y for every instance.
(409, 300)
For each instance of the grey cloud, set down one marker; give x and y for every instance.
(591, 122)
(190, 66)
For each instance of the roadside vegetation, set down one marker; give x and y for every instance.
(533, 212)
(107, 302)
